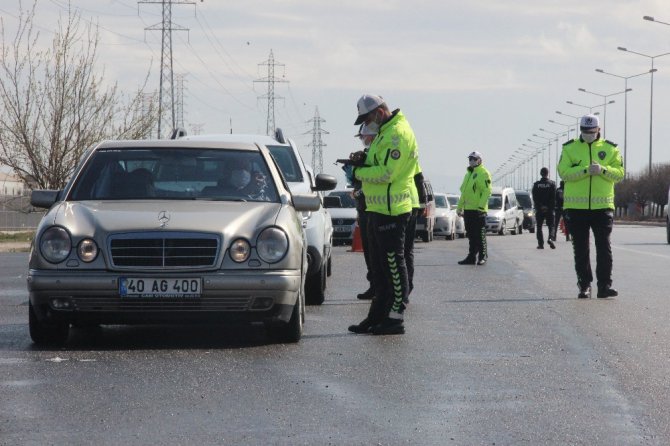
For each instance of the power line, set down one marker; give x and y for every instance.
(270, 95)
(166, 99)
(317, 143)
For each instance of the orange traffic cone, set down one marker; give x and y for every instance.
(356, 242)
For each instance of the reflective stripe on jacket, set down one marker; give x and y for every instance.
(585, 191)
(475, 190)
(388, 184)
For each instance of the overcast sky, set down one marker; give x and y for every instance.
(478, 75)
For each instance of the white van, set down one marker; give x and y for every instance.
(503, 215)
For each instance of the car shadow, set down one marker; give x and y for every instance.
(151, 337)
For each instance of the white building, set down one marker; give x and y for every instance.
(11, 185)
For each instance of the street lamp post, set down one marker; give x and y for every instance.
(564, 125)
(651, 95)
(605, 96)
(548, 143)
(556, 135)
(625, 107)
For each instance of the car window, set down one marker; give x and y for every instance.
(287, 162)
(524, 201)
(346, 198)
(441, 201)
(495, 202)
(453, 200)
(173, 174)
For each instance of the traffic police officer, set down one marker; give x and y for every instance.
(473, 206)
(387, 181)
(544, 198)
(590, 166)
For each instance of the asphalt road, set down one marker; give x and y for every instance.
(502, 354)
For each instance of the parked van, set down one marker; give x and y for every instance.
(503, 215)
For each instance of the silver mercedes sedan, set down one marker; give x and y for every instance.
(170, 231)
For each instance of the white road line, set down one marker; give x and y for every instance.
(641, 252)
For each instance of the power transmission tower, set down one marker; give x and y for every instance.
(270, 95)
(166, 99)
(196, 129)
(148, 109)
(317, 144)
(179, 101)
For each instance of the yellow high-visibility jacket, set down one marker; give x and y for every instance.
(388, 182)
(585, 191)
(475, 190)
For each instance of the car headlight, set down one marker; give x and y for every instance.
(272, 245)
(240, 250)
(87, 250)
(55, 244)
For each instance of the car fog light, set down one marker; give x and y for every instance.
(61, 303)
(240, 250)
(87, 250)
(262, 303)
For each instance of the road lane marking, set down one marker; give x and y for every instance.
(663, 256)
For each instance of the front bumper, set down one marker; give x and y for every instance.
(226, 296)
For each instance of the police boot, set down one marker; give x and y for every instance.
(389, 326)
(481, 261)
(469, 260)
(607, 291)
(362, 327)
(551, 244)
(584, 291)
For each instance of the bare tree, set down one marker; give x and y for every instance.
(54, 104)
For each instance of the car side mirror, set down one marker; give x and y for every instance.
(44, 198)
(305, 203)
(332, 201)
(324, 182)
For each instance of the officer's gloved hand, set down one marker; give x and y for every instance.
(459, 212)
(482, 213)
(595, 169)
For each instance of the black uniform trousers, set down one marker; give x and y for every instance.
(475, 227)
(540, 218)
(386, 238)
(363, 222)
(581, 223)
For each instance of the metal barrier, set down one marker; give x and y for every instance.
(16, 213)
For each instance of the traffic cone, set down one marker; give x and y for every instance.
(356, 241)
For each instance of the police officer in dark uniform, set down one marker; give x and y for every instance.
(544, 197)
(558, 212)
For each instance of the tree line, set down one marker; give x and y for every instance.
(644, 190)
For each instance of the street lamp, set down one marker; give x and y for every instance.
(590, 107)
(556, 135)
(604, 96)
(625, 106)
(548, 143)
(651, 19)
(651, 95)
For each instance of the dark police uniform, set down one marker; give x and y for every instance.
(544, 197)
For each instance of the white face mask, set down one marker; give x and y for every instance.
(373, 127)
(473, 163)
(589, 137)
(240, 178)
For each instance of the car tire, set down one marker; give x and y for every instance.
(315, 287)
(329, 268)
(520, 230)
(46, 334)
(291, 332)
(532, 230)
(502, 228)
(667, 229)
(424, 236)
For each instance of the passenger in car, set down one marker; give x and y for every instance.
(239, 181)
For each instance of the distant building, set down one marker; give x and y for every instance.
(11, 185)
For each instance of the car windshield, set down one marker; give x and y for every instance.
(524, 201)
(441, 201)
(287, 162)
(453, 200)
(346, 198)
(495, 202)
(174, 174)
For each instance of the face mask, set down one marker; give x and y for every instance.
(240, 178)
(589, 137)
(473, 162)
(373, 126)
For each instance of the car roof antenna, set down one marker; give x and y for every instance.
(177, 133)
(279, 136)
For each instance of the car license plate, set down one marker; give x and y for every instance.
(342, 228)
(149, 287)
